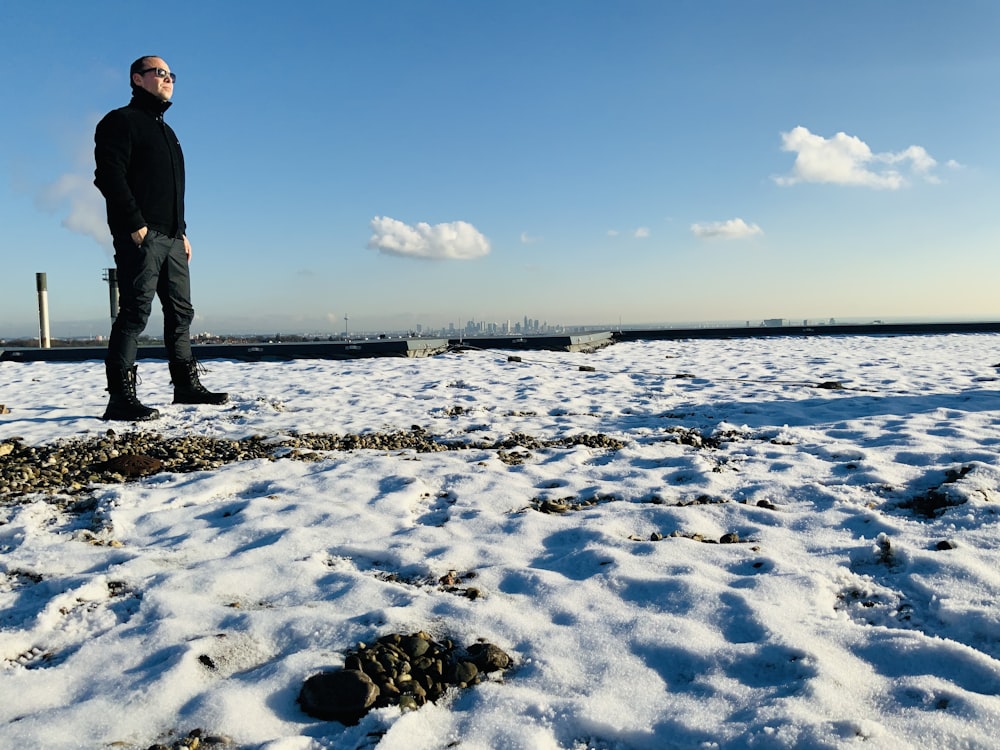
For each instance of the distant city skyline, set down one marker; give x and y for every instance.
(407, 162)
(471, 327)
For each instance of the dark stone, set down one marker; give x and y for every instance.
(946, 544)
(461, 672)
(487, 657)
(415, 646)
(344, 695)
(132, 465)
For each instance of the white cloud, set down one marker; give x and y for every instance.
(457, 240)
(639, 233)
(527, 239)
(847, 160)
(86, 210)
(733, 229)
(75, 195)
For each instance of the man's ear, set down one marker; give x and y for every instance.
(137, 80)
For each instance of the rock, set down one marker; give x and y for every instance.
(732, 538)
(449, 579)
(462, 672)
(487, 657)
(132, 465)
(344, 695)
(946, 544)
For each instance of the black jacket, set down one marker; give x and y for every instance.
(140, 168)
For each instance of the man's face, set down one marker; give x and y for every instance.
(161, 88)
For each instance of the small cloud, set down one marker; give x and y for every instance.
(457, 240)
(733, 229)
(639, 233)
(847, 160)
(952, 164)
(527, 239)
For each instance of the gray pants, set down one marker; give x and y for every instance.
(158, 267)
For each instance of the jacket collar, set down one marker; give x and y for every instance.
(142, 99)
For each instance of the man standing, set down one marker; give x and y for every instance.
(140, 172)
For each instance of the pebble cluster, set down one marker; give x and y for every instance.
(693, 438)
(451, 582)
(569, 504)
(72, 466)
(937, 500)
(196, 739)
(397, 670)
(730, 538)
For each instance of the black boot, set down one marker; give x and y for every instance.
(188, 388)
(123, 403)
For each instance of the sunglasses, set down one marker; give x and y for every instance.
(159, 73)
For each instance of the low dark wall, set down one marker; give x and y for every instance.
(873, 329)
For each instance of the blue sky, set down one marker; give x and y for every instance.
(405, 162)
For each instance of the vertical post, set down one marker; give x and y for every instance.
(42, 284)
(111, 276)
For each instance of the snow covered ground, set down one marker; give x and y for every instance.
(860, 475)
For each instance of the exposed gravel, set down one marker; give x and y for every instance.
(73, 466)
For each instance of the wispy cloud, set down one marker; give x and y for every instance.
(528, 239)
(847, 160)
(456, 240)
(639, 233)
(74, 194)
(733, 229)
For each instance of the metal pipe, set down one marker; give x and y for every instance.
(111, 276)
(41, 283)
